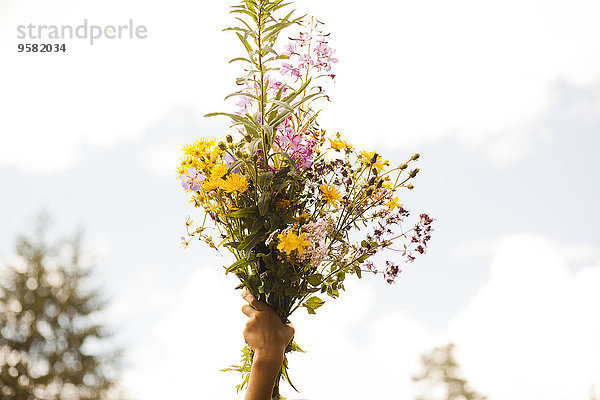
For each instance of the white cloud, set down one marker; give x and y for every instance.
(530, 333)
(202, 334)
(410, 72)
(54, 103)
(415, 72)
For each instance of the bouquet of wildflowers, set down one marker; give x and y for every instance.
(299, 208)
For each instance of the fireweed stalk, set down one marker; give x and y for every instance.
(290, 201)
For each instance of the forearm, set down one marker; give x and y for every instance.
(262, 376)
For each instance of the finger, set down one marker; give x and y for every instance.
(249, 311)
(257, 305)
(291, 329)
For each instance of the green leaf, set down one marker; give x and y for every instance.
(236, 265)
(250, 241)
(247, 12)
(284, 104)
(265, 178)
(284, 369)
(253, 146)
(309, 309)
(263, 203)
(315, 279)
(314, 302)
(247, 212)
(241, 94)
(245, 42)
(234, 117)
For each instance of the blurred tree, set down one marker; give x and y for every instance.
(442, 378)
(49, 333)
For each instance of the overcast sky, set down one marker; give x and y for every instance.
(501, 99)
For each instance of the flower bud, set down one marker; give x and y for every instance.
(403, 167)
(222, 146)
(410, 186)
(229, 139)
(414, 172)
(238, 154)
(415, 157)
(374, 159)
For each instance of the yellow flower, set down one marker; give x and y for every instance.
(213, 184)
(367, 156)
(199, 148)
(331, 195)
(393, 203)
(291, 242)
(219, 170)
(215, 154)
(235, 183)
(303, 217)
(198, 199)
(338, 144)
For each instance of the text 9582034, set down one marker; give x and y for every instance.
(41, 48)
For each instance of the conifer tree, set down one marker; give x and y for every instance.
(442, 378)
(51, 344)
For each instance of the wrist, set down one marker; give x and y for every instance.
(268, 358)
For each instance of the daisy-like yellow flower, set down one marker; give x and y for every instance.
(213, 184)
(198, 199)
(331, 195)
(367, 156)
(393, 203)
(185, 164)
(219, 170)
(235, 183)
(215, 154)
(291, 242)
(199, 148)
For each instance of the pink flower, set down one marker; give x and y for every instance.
(290, 49)
(285, 68)
(306, 61)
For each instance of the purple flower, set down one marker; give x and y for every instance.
(230, 160)
(192, 179)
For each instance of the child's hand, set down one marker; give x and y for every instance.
(265, 333)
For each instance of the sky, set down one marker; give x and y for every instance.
(502, 101)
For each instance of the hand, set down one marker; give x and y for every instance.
(264, 332)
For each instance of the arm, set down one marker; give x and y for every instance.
(268, 337)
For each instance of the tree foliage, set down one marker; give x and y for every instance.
(49, 333)
(441, 376)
